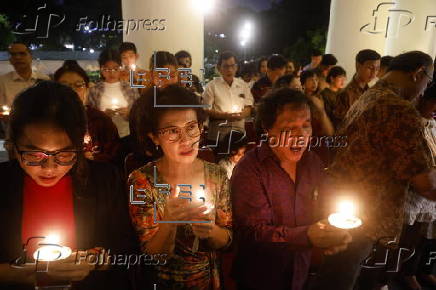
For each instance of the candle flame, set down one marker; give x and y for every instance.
(346, 208)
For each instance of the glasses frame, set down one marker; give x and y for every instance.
(162, 131)
(47, 155)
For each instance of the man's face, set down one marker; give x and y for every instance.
(263, 67)
(368, 70)
(20, 57)
(293, 125)
(228, 69)
(311, 84)
(128, 58)
(185, 62)
(316, 60)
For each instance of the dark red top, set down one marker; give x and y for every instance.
(48, 211)
(271, 216)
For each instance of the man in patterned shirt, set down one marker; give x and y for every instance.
(386, 151)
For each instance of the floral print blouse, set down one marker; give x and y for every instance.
(185, 269)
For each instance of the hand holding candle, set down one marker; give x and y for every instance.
(50, 250)
(345, 217)
(6, 110)
(202, 230)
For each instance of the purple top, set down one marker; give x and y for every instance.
(271, 215)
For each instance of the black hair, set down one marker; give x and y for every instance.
(328, 59)
(145, 115)
(305, 75)
(74, 67)
(246, 69)
(367, 55)
(182, 54)
(162, 59)
(126, 46)
(316, 52)
(225, 55)
(272, 105)
(109, 54)
(284, 81)
(335, 72)
(385, 61)
(410, 61)
(18, 42)
(276, 61)
(56, 104)
(230, 144)
(259, 61)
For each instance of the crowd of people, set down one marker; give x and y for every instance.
(223, 180)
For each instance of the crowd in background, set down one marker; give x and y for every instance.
(82, 156)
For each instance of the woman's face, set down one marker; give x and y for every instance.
(290, 134)
(339, 82)
(160, 79)
(44, 137)
(181, 125)
(311, 84)
(263, 67)
(76, 82)
(111, 72)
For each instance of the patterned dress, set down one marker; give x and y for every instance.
(184, 269)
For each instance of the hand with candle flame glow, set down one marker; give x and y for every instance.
(331, 239)
(204, 230)
(179, 209)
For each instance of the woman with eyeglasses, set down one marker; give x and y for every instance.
(102, 141)
(182, 205)
(51, 193)
(111, 95)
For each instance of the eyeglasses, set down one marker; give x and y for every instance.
(37, 158)
(229, 66)
(174, 134)
(430, 82)
(109, 70)
(77, 85)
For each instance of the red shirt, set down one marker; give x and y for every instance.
(48, 211)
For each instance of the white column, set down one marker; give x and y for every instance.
(183, 29)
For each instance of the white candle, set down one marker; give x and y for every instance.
(236, 109)
(6, 110)
(51, 252)
(133, 67)
(345, 217)
(200, 200)
(115, 103)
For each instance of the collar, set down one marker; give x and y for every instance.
(355, 84)
(17, 77)
(388, 86)
(234, 82)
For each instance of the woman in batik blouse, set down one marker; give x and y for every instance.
(192, 220)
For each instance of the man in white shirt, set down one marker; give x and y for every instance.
(12, 83)
(229, 99)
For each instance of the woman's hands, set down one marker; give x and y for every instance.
(180, 209)
(329, 238)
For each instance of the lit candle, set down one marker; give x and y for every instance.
(199, 200)
(6, 110)
(87, 139)
(133, 67)
(50, 250)
(236, 109)
(345, 217)
(115, 103)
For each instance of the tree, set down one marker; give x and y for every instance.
(301, 49)
(6, 35)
